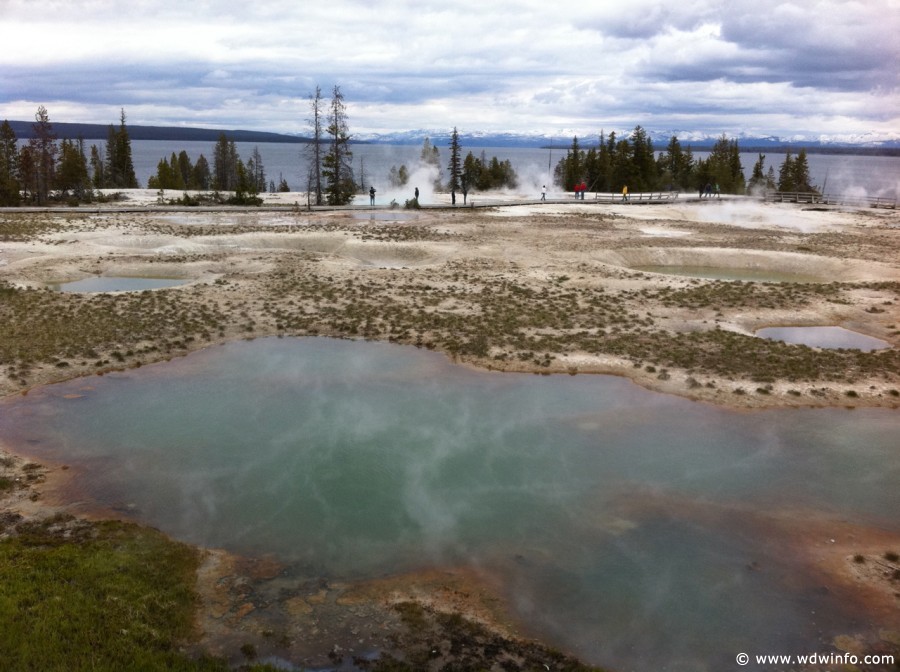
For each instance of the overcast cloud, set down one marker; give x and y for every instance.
(755, 67)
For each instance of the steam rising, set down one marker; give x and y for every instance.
(359, 459)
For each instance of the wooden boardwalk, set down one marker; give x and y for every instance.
(828, 199)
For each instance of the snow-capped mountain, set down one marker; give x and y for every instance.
(696, 139)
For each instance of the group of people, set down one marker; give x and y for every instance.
(372, 195)
(580, 188)
(708, 190)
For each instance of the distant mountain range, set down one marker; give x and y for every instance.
(696, 140)
(23, 130)
(858, 144)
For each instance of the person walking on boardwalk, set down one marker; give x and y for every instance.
(544, 193)
(417, 195)
(371, 195)
(625, 192)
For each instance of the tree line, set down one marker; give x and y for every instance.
(632, 161)
(46, 169)
(228, 173)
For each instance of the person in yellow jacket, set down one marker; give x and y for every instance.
(625, 193)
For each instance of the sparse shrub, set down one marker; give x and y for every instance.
(890, 556)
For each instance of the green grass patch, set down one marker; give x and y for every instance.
(96, 596)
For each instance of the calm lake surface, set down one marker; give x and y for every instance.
(834, 174)
(623, 521)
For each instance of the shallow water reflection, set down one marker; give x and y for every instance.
(624, 521)
(116, 284)
(728, 273)
(824, 337)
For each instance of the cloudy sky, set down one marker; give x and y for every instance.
(758, 67)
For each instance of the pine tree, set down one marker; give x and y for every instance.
(257, 172)
(315, 149)
(605, 156)
(761, 179)
(675, 166)
(43, 155)
(72, 173)
(644, 163)
(175, 174)
(786, 174)
(337, 165)
(455, 164)
(9, 166)
(724, 166)
(624, 171)
(568, 171)
(97, 168)
(186, 170)
(200, 176)
(225, 164)
(119, 170)
(801, 173)
(27, 172)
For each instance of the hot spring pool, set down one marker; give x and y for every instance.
(623, 521)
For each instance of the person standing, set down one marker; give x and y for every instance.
(625, 192)
(544, 193)
(417, 195)
(372, 195)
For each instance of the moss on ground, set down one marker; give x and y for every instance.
(96, 596)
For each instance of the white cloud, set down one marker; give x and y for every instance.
(526, 65)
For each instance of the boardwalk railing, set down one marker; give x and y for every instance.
(647, 196)
(828, 199)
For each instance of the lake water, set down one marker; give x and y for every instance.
(623, 521)
(839, 174)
